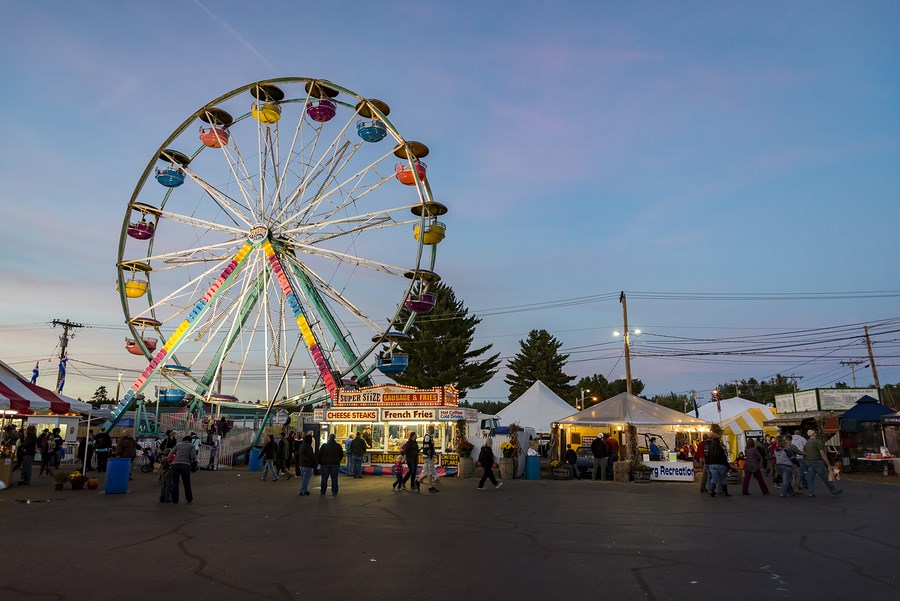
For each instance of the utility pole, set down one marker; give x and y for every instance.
(63, 345)
(625, 335)
(852, 363)
(872, 360)
(794, 379)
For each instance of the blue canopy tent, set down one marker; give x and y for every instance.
(866, 410)
(862, 423)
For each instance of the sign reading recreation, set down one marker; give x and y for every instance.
(671, 470)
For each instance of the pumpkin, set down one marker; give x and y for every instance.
(93, 484)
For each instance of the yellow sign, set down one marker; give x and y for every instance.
(450, 460)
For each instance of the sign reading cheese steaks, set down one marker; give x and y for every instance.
(351, 415)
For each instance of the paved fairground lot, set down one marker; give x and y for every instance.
(246, 539)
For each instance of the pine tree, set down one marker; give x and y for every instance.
(539, 359)
(440, 350)
(100, 396)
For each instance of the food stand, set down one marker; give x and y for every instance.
(387, 414)
(611, 417)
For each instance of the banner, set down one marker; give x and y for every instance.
(61, 380)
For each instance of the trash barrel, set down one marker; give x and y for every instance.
(533, 467)
(118, 469)
(254, 463)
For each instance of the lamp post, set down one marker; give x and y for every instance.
(626, 337)
(581, 402)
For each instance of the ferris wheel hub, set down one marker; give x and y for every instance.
(258, 234)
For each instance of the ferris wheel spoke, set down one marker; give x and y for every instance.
(335, 295)
(328, 229)
(204, 225)
(198, 254)
(225, 202)
(312, 170)
(348, 259)
(243, 180)
(346, 188)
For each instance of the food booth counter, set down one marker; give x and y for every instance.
(387, 415)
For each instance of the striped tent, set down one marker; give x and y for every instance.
(18, 395)
(738, 417)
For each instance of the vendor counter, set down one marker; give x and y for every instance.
(678, 471)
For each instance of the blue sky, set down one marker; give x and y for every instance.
(583, 148)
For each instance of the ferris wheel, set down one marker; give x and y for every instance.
(271, 245)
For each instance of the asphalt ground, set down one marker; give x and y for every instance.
(246, 539)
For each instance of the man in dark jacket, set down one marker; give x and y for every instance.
(285, 448)
(269, 453)
(412, 460)
(102, 444)
(306, 460)
(600, 452)
(330, 456)
(357, 452)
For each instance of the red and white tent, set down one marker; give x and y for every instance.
(18, 395)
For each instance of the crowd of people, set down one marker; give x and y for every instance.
(791, 461)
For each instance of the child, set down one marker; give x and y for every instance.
(399, 461)
(165, 481)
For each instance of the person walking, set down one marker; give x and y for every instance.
(784, 463)
(817, 464)
(330, 456)
(356, 455)
(399, 461)
(753, 468)
(126, 448)
(285, 447)
(185, 452)
(269, 453)
(486, 459)
(428, 469)
(797, 475)
(800, 444)
(412, 461)
(717, 462)
(600, 451)
(46, 445)
(29, 449)
(102, 445)
(700, 462)
(306, 460)
(215, 442)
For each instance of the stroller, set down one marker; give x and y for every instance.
(150, 459)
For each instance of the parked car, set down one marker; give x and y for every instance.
(585, 463)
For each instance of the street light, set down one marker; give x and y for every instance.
(581, 401)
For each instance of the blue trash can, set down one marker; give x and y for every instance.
(254, 463)
(118, 470)
(533, 467)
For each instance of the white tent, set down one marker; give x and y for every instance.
(537, 408)
(627, 408)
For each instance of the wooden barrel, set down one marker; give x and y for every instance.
(506, 468)
(466, 467)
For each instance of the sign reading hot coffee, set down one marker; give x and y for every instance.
(408, 415)
(451, 415)
(351, 415)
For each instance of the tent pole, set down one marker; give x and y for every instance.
(87, 430)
